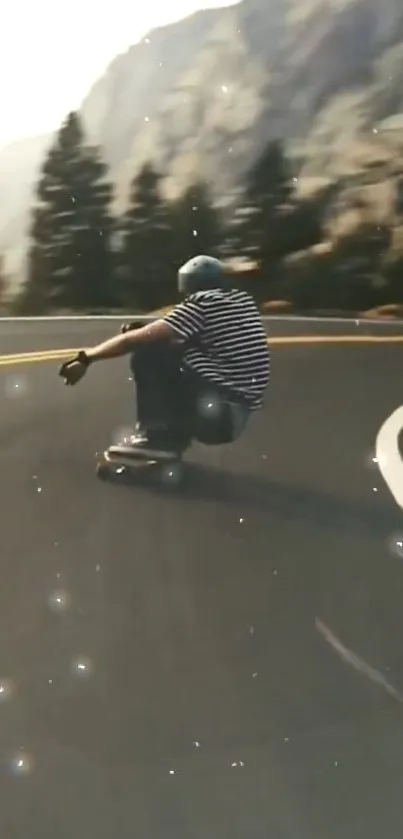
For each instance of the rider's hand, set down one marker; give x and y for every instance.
(72, 371)
(128, 327)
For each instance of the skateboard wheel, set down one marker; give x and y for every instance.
(102, 471)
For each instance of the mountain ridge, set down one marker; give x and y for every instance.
(201, 98)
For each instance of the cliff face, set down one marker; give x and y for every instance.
(206, 94)
(203, 96)
(189, 94)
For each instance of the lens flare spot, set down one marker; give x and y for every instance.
(7, 690)
(395, 545)
(82, 667)
(16, 387)
(122, 436)
(22, 763)
(59, 601)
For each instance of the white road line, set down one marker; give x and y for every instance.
(355, 661)
(153, 316)
(388, 455)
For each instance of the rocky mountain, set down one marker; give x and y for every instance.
(206, 94)
(203, 96)
(189, 95)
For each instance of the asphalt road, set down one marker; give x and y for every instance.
(166, 664)
(25, 335)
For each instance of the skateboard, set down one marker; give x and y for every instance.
(123, 462)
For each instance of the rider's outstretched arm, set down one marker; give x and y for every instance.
(123, 344)
(74, 369)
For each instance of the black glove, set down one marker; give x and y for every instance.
(128, 327)
(74, 369)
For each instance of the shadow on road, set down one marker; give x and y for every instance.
(293, 503)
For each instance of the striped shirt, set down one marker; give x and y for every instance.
(225, 341)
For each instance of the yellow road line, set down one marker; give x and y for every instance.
(39, 354)
(58, 355)
(44, 355)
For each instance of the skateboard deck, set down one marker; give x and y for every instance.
(123, 461)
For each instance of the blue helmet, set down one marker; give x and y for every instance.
(202, 273)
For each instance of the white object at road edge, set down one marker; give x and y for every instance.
(355, 661)
(388, 454)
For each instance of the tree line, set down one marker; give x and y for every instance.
(84, 257)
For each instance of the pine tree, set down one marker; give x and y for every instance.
(197, 224)
(146, 259)
(300, 225)
(69, 261)
(256, 230)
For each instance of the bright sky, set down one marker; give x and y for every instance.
(51, 53)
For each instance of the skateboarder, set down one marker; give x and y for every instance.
(200, 371)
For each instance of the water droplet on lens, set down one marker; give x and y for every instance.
(122, 436)
(209, 407)
(82, 667)
(21, 763)
(171, 475)
(372, 461)
(59, 601)
(16, 386)
(395, 544)
(7, 689)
